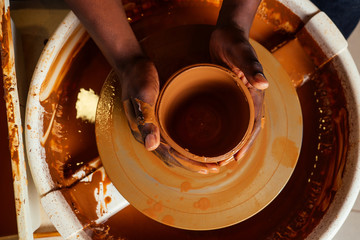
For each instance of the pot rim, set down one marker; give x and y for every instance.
(229, 154)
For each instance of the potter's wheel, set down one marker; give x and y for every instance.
(314, 202)
(187, 200)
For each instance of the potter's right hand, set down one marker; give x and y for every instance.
(140, 88)
(230, 46)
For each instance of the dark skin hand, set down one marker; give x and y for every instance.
(107, 24)
(229, 46)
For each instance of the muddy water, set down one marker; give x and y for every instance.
(303, 201)
(7, 202)
(71, 145)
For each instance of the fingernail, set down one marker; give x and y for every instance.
(261, 81)
(150, 142)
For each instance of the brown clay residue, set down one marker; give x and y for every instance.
(274, 24)
(285, 151)
(108, 200)
(203, 204)
(146, 113)
(185, 186)
(87, 198)
(70, 145)
(8, 83)
(168, 219)
(154, 210)
(279, 15)
(312, 48)
(51, 83)
(295, 61)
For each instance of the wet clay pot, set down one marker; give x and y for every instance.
(205, 113)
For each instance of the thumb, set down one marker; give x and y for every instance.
(146, 123)
(254, 71)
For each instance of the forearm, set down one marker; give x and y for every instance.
(238, 13)
(107, 24)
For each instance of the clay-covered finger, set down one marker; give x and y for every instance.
(130, 115)
(146, 123)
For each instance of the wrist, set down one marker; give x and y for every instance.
(129, 67)
(127, 54)
(238, 14)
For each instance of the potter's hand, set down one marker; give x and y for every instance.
(140, 88)
(107, 24)
(230, 46)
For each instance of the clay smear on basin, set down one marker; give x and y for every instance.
(13, 172)
(69, 139)
(303, 201)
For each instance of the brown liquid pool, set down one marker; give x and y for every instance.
(175, 36)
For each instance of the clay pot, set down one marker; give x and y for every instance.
(205, 112)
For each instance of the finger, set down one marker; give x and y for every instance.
(254, 73)
(194, 166)
(225, 162)
(130, 115)
(147, 124)
(241, 153)
(256, 130)
(258, 99)
(151, 135)
(202, 168)
(259, 81)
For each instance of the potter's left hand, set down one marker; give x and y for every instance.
(229, 46)
(140, 88)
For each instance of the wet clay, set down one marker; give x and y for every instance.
(296, 210)
(87, 197)
(274, 25)
(70, 145)
(292, 54)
